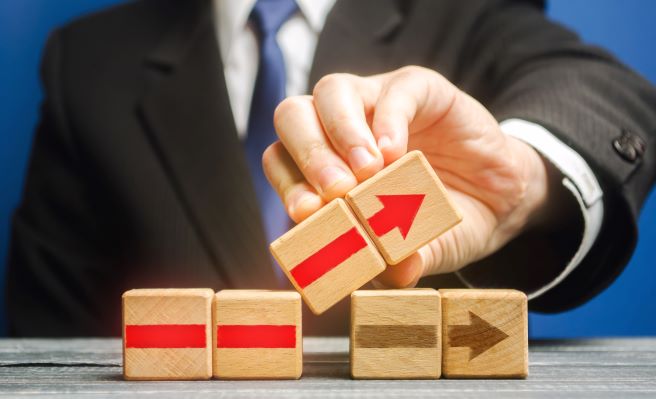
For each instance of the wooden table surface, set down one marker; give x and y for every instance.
(616, 368)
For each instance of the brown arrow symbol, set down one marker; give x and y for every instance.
(479, 335)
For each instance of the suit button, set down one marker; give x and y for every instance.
(630, 146)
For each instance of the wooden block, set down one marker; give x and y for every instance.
(257, 334)
(396, 334)
(327, 256)
(166, 334)
(403, 207)
(485, 333)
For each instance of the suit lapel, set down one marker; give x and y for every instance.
(356, 38)
(188, 117)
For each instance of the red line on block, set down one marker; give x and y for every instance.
(165, 336)
(328, 257)
(255, 336)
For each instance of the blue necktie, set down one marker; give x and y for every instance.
(267, 17)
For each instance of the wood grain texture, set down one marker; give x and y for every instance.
(411, 174)
(257, 308)
(156, 307)
(485, 333)
(310, 236)
(91, 367)
(395, 334)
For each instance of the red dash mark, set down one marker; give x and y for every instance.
(328, 257)
(257, 336)
(165, 336)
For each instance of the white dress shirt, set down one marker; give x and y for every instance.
(297, 39)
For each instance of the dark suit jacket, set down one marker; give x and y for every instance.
(137, 177)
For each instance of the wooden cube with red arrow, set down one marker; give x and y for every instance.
(485, 333)
(403, 207)
(166, 334)
(257, 334)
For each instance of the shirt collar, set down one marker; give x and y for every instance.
(315, 12)
(232, 15)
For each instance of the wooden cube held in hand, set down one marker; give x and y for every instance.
(166, 334)
(403, 207)
(257, 334)
(327, 256)
(396, 334)
(485, 333)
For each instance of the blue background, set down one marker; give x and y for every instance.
(623, 26)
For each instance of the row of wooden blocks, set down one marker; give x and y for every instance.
(193, 334)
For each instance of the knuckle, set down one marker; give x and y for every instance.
(384, 125)
(343, 125)
(269, 156)
(308, 159)
(289, 106)
(330, 81)
(413, 70)
(281, 187)
(421, 75)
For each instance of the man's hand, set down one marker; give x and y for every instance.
(351, 127)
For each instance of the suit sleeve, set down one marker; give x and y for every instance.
(522, 66)
(54, 231)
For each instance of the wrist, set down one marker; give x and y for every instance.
(539, 179)
(534, 207)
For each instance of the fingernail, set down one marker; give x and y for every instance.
(297, 202)
(384, 142)
(360, 158)
(330, 176)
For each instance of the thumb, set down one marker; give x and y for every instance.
(405, 274)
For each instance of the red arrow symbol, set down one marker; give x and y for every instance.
(398, 211)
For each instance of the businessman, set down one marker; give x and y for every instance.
(177, 138)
